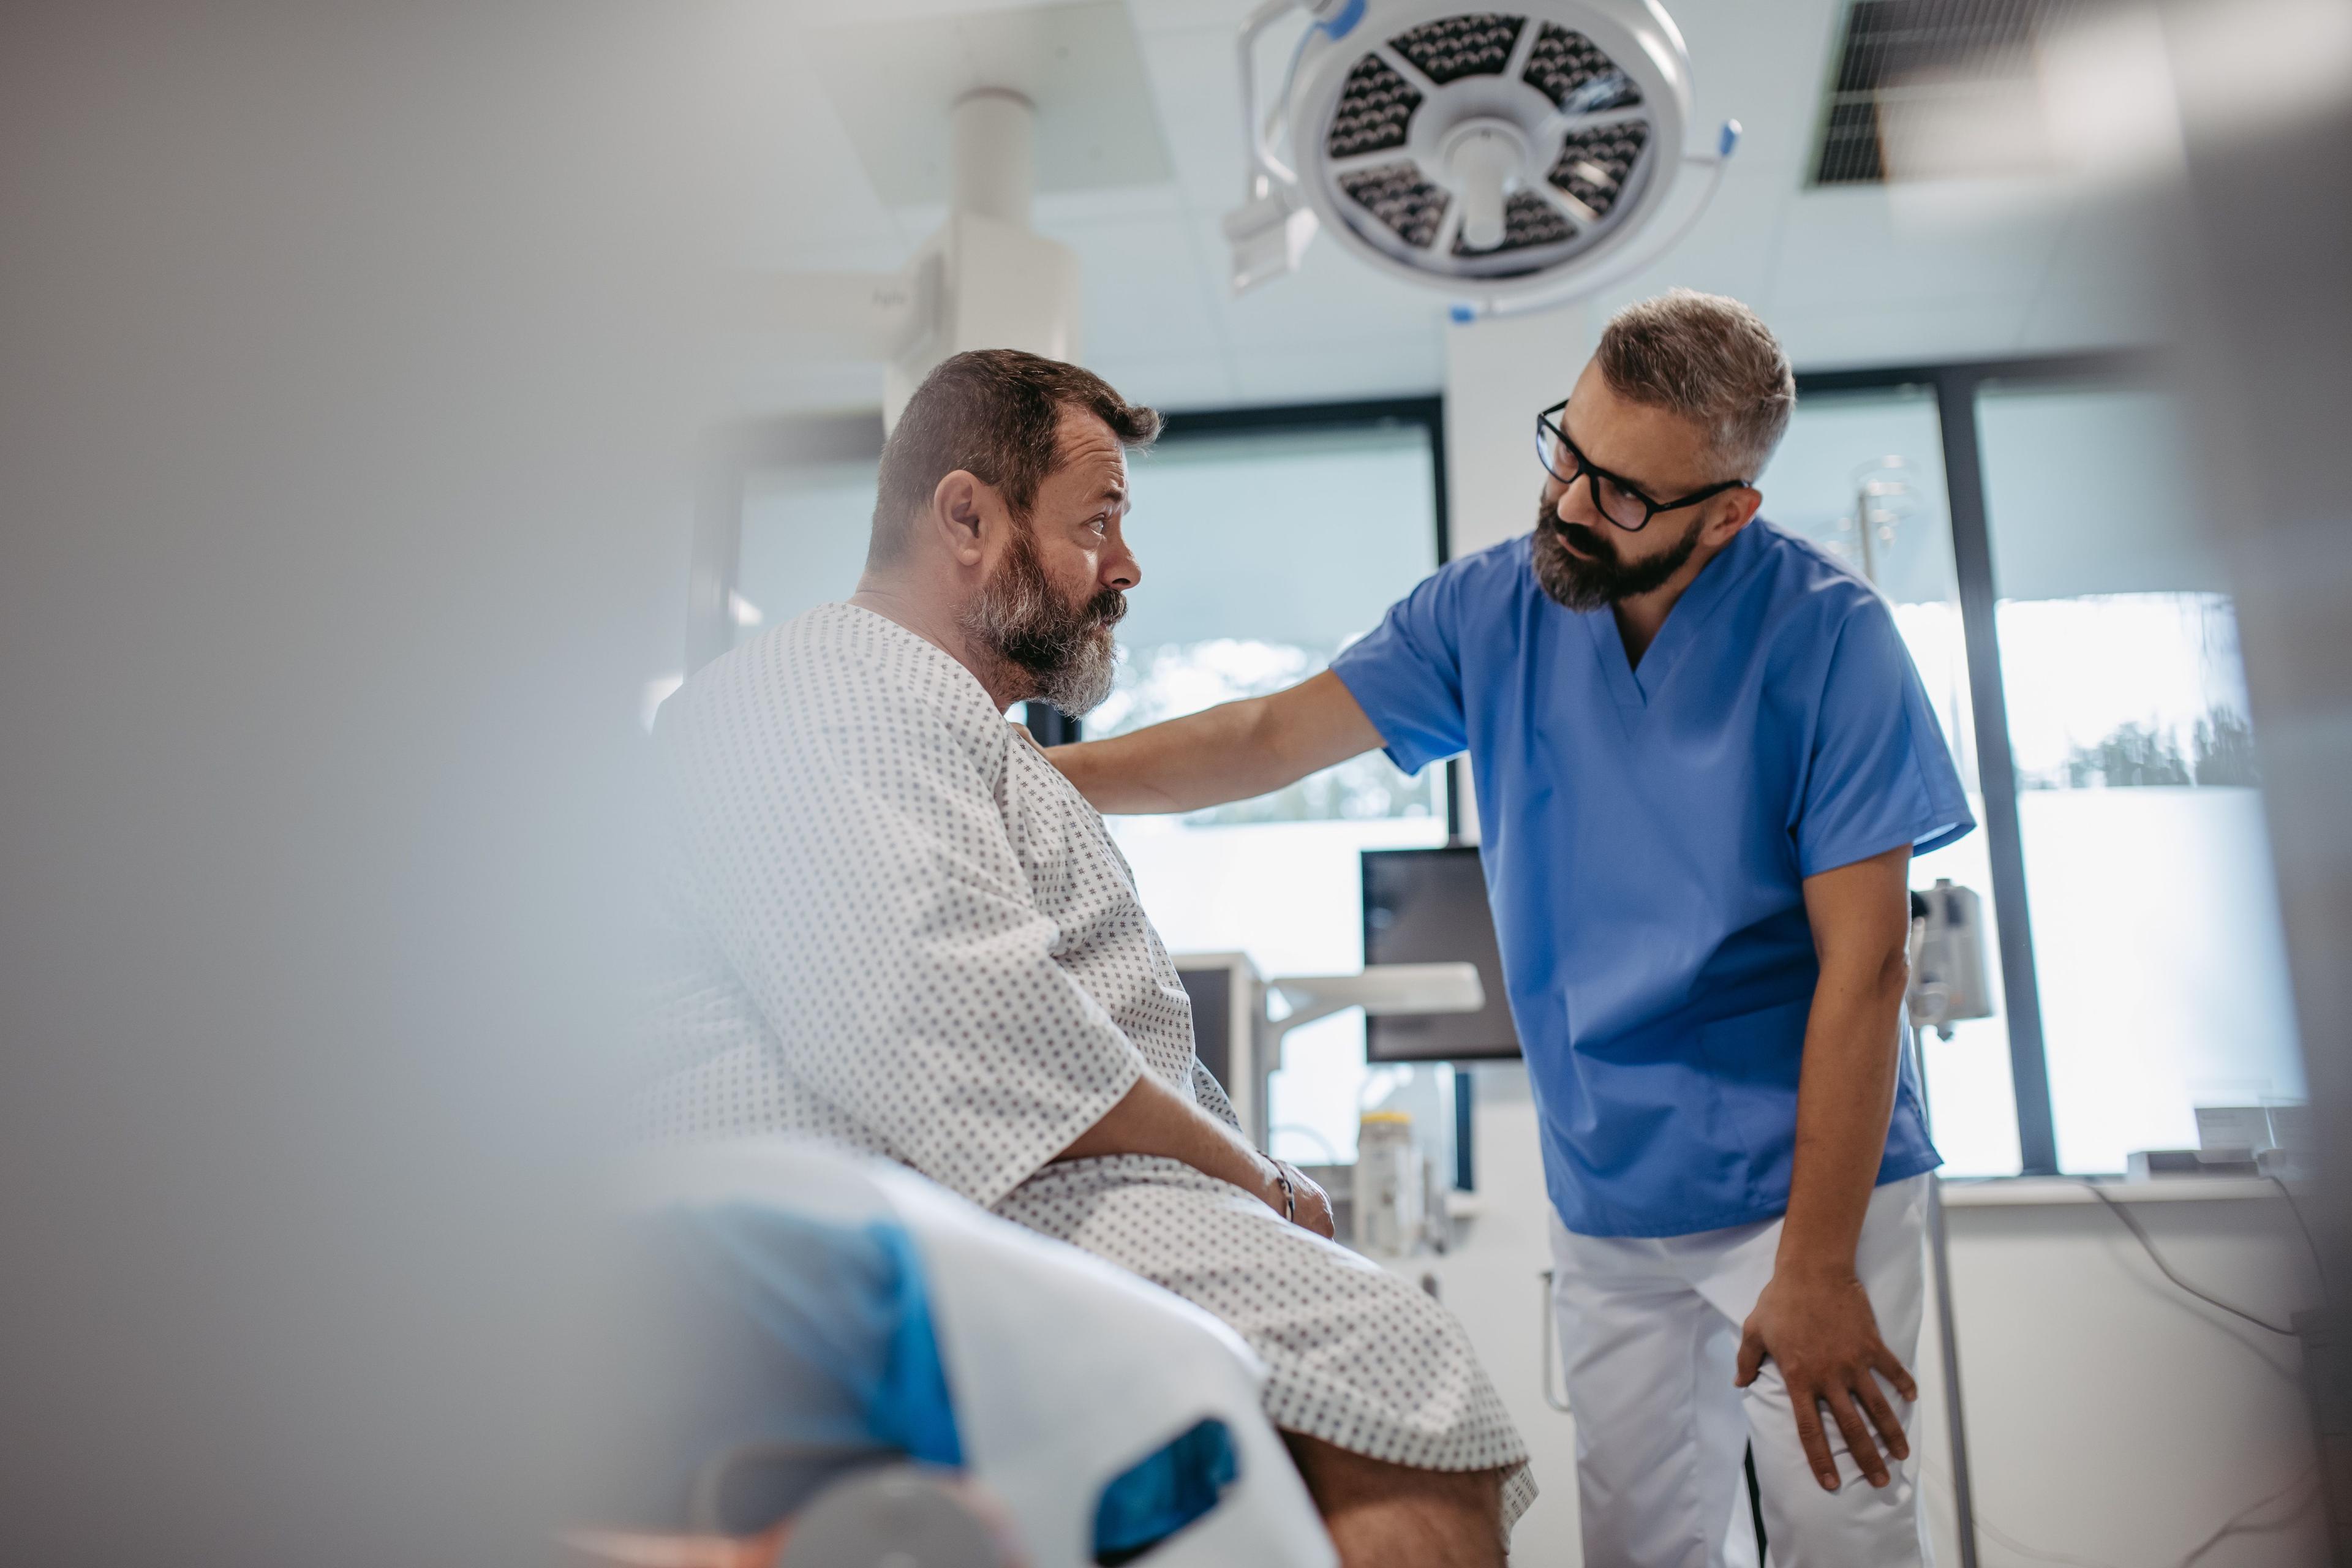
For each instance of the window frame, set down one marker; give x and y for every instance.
(1955, 386)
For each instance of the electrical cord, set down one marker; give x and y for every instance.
(2241, 1520)
(2003, 1538)
(2237, 1523)
(2318, 1263)
(2149, 1247)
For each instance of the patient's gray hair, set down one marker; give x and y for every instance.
(1711, 359)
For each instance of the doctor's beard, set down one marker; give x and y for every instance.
(1066, 649)
(1605, 577)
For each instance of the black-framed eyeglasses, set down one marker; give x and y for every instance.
(1621, 502)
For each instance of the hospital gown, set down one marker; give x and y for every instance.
(891, 922)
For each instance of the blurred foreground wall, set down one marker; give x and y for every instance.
(2264, 96)
(346, 380)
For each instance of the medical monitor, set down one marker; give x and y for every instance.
(1429, 906)
(1227, 1003)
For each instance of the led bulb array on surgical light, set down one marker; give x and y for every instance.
(1508, 158)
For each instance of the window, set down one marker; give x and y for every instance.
(1266, 550)
(804, 539)
(1862, 473)
(2157, 937)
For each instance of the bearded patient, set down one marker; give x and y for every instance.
(895, 925)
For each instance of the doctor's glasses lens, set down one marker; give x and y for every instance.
(1556, 460)
(1618, 504)
(1613, 500)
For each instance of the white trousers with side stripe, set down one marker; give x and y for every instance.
(1650, 1331)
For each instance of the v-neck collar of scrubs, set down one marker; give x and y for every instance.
(1634, 687)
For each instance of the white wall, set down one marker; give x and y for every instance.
(2110, 1416)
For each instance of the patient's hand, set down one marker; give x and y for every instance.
(1312, 1204)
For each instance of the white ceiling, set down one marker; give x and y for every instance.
(1853, 276)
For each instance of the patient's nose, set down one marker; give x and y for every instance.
(1120, 569)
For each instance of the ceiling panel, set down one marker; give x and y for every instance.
(893, 82)
(1197, 90)
(1144, 290)
(1223, 16)
(1917, 245)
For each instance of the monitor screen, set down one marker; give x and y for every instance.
(1211, 987)
(1429, 906)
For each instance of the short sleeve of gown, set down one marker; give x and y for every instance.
(1407, 675)
(862, 883)
(1879, 774)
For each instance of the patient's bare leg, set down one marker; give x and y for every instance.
(1393, 1516)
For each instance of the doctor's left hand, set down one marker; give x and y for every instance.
(1820, 1332)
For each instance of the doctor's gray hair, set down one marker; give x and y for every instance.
(1711, 359)
(997, 414)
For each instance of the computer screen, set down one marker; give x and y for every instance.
(1211, 987)
(1429, 906)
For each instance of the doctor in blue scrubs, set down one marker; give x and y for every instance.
(1704, 762)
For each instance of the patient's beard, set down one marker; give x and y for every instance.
(1606, 577)
(1065, 649)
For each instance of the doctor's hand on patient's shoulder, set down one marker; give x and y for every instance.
(1820, 1332)
(1307, 1205)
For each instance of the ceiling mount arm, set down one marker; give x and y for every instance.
(1264, 171)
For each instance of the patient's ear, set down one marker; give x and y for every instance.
(959, 511)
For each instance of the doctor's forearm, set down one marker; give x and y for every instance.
(1203, 759)
(1232, 752)
(1846, 1092)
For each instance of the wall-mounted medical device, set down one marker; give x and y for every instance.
(1948, 958)
(1510, 158)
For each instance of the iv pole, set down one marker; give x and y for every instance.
(1875, 517)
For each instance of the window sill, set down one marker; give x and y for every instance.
(2008, 1192)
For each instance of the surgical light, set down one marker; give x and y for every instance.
(1508, 158)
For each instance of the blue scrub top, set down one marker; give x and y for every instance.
(1647, 835)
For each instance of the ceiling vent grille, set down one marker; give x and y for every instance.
(1931, 88)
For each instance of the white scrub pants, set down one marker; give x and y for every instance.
(1650, 1330)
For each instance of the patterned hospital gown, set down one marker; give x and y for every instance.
(895, 924)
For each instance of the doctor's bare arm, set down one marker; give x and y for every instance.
(1814, 1317)
(1228, 753)
(1153, 1118)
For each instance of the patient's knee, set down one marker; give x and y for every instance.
(1381, 1513)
